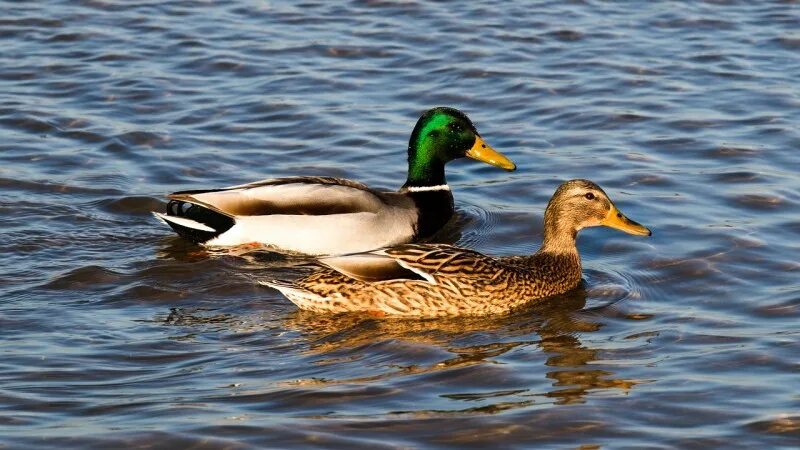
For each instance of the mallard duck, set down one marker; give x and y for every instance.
(327, 216)
(429, 280)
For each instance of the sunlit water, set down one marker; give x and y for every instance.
(115, 333)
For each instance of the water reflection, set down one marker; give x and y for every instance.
(573, 379)
(369, 351)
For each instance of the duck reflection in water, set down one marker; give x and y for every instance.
(554, 326)
(471, 342)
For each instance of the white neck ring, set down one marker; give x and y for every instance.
(440, 187)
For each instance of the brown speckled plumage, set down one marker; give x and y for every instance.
(431, 280)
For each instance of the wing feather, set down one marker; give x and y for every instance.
(409, 262)
(441, 259)
(289, 196)
(371, 267)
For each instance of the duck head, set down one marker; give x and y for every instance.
(441, 135)
(578, 204)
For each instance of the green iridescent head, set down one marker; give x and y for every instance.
(441, 135)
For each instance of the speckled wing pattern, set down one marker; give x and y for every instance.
(456, 281)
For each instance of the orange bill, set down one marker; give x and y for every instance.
(615, 219)
(482, 152)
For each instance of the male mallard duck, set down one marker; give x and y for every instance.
(324, 216)
(428, 280)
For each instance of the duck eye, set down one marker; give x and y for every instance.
(589, 196)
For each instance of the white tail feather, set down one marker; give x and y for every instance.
(296, 295)
(189, 223)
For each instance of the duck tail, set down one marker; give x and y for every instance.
(194, 222)
(303, 298)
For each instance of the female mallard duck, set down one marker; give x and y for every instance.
(428, 280)
(325, 216)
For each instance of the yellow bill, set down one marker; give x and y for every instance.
(616, 219)
(482, 152)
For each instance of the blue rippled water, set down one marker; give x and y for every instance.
(115, 333)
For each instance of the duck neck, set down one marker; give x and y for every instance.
(558, 256)
(435, 208)
(559, 237)
(427, 187)
(424, 171)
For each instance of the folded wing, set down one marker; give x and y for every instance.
(288, 196)
(406, 262)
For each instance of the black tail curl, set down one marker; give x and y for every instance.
(212, 219)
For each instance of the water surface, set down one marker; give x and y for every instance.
(115, 333)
